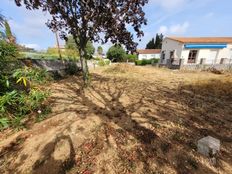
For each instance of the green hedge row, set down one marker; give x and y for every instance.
(146, 62)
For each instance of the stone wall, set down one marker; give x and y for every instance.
(205, 67)
(179, 64)
(49, 65)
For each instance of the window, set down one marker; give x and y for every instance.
(163, 55)
(171, 54)
(192, 56)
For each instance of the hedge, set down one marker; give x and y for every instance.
(146, 62)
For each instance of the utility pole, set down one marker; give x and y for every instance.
(58, 45)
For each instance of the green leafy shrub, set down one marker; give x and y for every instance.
(154, 61)
(8, 57)
(8, 51)
(131, 57)
(36, 75)
(103, 62)
(72, 68)
(15, 105)
(140, 62)
(116, 53)
(146, 62)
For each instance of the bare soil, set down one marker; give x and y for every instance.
(130, 120)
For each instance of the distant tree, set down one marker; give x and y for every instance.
(8, 51)
(155, 43)
(89, 50)
(116, 53)
(52, 51)
(158, 41)
(23, 48)
(71, 45)
(131, 57)
(151, 44)
(9, 36)
(85, 20)
(99, 51)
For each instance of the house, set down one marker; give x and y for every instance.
(148, 53)
(197, 50)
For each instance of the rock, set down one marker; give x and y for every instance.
(208, 146)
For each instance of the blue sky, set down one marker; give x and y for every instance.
(171, 17)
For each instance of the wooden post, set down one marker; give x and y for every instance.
(58, 45)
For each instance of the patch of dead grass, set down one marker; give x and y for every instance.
(121, 68)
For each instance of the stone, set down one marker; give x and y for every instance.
(208, 146)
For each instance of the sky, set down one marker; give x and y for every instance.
(170, 17)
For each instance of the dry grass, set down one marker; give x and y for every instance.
(130, 120)
(214, 87)
(120, 68)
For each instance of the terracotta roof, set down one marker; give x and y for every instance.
(202, 39)
(149, 51)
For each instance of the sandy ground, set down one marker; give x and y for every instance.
(131, 120)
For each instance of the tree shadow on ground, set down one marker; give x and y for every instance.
(164, 124)
(49, 163)
(143, 117)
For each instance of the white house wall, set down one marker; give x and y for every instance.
(181, 52)
(206, 53)
(148, 56)
(171, 45)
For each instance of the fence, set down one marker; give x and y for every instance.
(179, 64)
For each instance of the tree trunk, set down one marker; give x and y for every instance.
(84, 67)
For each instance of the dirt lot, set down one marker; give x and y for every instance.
(131, 120)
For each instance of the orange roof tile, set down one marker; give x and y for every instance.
(149, 51)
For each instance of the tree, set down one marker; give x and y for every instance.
(99, 50)
(151, 44)
(116, 53)
(89, 50)
(9, 36)
(8, 52)
(71, 45)
(158, 41)
(155, 44)
(85, 20)
(52, 51)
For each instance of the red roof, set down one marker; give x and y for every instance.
(149, 51)
(202, 39)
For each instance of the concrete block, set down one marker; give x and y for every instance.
(208, 146)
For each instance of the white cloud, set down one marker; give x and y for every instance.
(31, 45)
(179, 28)
(33, 25)
(163, 29)
(176, 29)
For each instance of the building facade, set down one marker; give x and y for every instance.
(198, 50)
(148, 54)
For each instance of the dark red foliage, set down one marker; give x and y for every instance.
(90, 19)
